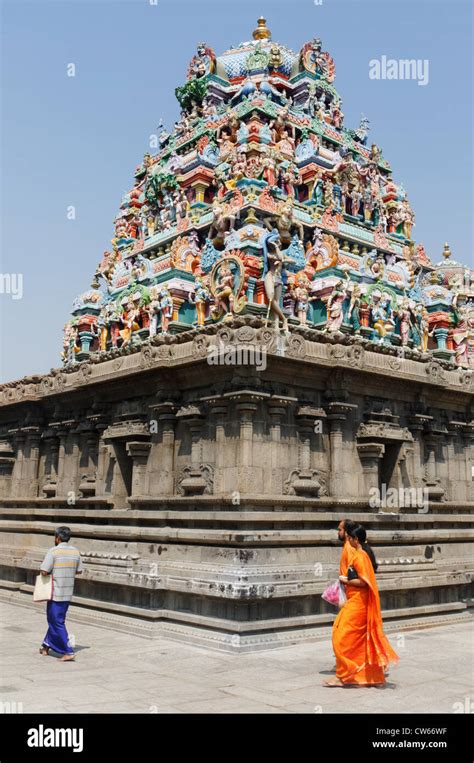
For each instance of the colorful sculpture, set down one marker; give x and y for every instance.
(260, 180)
(201, 297)
(226, 286)
(273, 278)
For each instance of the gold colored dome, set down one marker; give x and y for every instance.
(446, 250)
(261, 32)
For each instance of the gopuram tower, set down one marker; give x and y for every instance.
(263, 351)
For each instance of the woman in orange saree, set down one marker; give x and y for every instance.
(361, 647)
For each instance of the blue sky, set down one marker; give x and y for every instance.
(76, 141)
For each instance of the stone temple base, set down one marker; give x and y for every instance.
(244, 579)
(157, 624)
(205, 498)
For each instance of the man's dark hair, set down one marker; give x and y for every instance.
(63, 533)
(349, 525)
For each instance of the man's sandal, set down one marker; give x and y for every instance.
(44, 650)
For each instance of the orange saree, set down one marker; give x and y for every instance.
(361, 647)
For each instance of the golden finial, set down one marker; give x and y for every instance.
(261, 32)
(251, 217)
(446, 250)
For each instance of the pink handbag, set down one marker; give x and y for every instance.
(335, 594)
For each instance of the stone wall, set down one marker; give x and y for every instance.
(205, 497)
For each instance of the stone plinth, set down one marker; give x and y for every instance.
(206, 498)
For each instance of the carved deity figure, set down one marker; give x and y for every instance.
(277, 126)
(223, 221)
(69, 342)
(181, 204)
(203, 62)
(353, 313)
(273, 265)
(311, 104)
(285, 223)
(201, 297)
(129, 321)
(356, 198)
(224, 292)
(289, 177)
(166, 308)
(382, 314)
(334, 307)
(406, 217)
(336, 115)
(269, 169)
(301, 294)
(425, 328)
(328, 193)
(227, 146)
(463, 332)
(153, 310)
(286, 144)
(404, 317)
(103, 328)
(318, 192)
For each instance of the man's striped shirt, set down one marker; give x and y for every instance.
(63, 561)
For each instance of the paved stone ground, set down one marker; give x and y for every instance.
(117, 672)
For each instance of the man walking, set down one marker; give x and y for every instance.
(64, 562)
(347, 552)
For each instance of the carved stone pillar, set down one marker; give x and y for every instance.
(51, 463)
(435, 490)
(102, 458)
(19, 440)
(72, 456)
(417, 424)
(250, 474)
(370, 454)
(246, 410)
(277, 407)
(468, 440)
(195, 477)
(7, 461)
(456, 476)
(62, 479)
(88, 461)
(139, 452)
(336, 415)
(219, 410)
(121, 474)
(129, 428)
(305, 480)
(166, 417)
(29, 486)
(92, 451)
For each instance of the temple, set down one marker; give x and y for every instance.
(264, 350)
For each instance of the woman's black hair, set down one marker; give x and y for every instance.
(359, 532)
